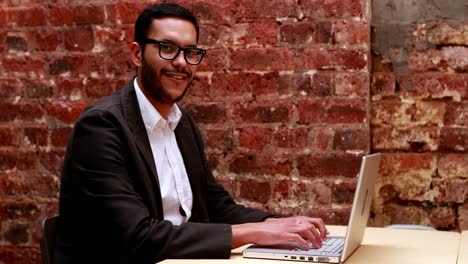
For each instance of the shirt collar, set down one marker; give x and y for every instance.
(151, 116)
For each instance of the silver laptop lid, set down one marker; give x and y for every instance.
(361, 205)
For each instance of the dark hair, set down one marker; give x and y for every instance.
(143, 23)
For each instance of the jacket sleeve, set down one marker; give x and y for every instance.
(103, 209)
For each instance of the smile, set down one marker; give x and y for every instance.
(177, 76)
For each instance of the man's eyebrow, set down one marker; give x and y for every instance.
(172, 42)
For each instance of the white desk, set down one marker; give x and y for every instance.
(380, 246)
(463, 250)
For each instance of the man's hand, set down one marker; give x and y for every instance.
(281, 230)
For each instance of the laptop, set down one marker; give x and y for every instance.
(335, 249)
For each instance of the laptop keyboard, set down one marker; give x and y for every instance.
(330, 245)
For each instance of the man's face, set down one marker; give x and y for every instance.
(166, 81)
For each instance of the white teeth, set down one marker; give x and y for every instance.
(177, 77)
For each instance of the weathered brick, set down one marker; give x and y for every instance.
(97, 88)
(343, 192)
(28, 184)
(220, 139)
(332, 59)
(450, 190)
(207, 113)
(11, 87)
(323, 84)
(48, 40)
(24, 110)
(322, 193)
(10, 134)
(200, 87)
(16, 233)
(119, 64)
(20, 255)
(332, 8)
(453, 166)
(254, 138)
(405, 214)
(267, 59)
(323, 138)
(31, 16)
(37, 88)
(36, 135)
(324, 32)
(228, 85)
(268, 8)
(76, 64)
(434, 86)
(394, 164)
(443, 217)
(261, 163)
(404, 113)
(71, 89)
(264, 112)
(59, 136)
(418, 139)
(454, 58)
(463, 216)
(212, 11)
(79, 39)
(297, 33)
(124, 13)
(262, 84)
(332, 111)
(215, 60)
(264, 33)
(352, 84)
(67, 112)
(18, 209)
(329, 216)
(76, 15)
(457, 114)
(383, 84)
(351, 139)
(52, 160)
(17, 41)
(112, 39)
(312, 166)
(17, 158)
(23, 64)
(291, 137)
(261, 194)
(294, 83)
(441, 32)
(351, 32)
(454, 139)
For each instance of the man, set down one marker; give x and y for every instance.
(136, 187)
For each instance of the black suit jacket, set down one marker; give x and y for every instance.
(110, 204)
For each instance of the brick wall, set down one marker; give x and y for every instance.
(289, 97)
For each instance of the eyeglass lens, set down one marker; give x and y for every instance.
(169, 51)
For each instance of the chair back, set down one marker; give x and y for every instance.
(49, 236)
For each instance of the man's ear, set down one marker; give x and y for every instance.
(137, 54)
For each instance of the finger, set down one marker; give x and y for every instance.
(299, 240)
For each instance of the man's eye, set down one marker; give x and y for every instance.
(168, 48)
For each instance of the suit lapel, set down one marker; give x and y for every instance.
(135, 122)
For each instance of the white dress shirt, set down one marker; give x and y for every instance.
(173, 180)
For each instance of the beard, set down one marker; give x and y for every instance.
(153, 86)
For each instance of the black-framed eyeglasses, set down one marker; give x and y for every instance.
(170, 51)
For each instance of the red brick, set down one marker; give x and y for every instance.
(457, 114)
(220, 139)
(18, 209)
(322, 138)
(20, 254)
(27, 16)
(10, 134)
(441, 32)
(351, 139)
(352, 84)
(418, 139)
(453, 166)
(59, 136)
(332, 111)
(229, 185)
(67, 112)
(443, 217)
(210, 35)
(97, 88)
(383, 84)
(262, 84)
(324, 32)
(76, 15)
(268, 59)
(448, 57)
(434, 86)
(255, 191)
(294, 83)
(124, 13)
(17, 158)
(291, 137)
(396, 113)
(10, 87)
(269, 8)
(322, 193)
(112, 39)
(450, 190)
(330, 216)
(25, 110)
(264, 33)
(79, 39)
(332, 59)
(323, 84)
(463, 216)
(29, 184)
(254, 138)
(394, 213)
(215, 60)
(312, 166)
(454, 139)
(332, 8)
(213, 11)
(343, 192)
(207, 113)
(52, 160)
(17, 41)
(264, 112)
(69, 89)
(393, 164)
(120, 64)
(38, 88)
(76, 64)
(351, 32)
(23, 64)
(47, 40)
(297, 33)
(36, 135)
(228, 85)
(261, 163)
(200, 87)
